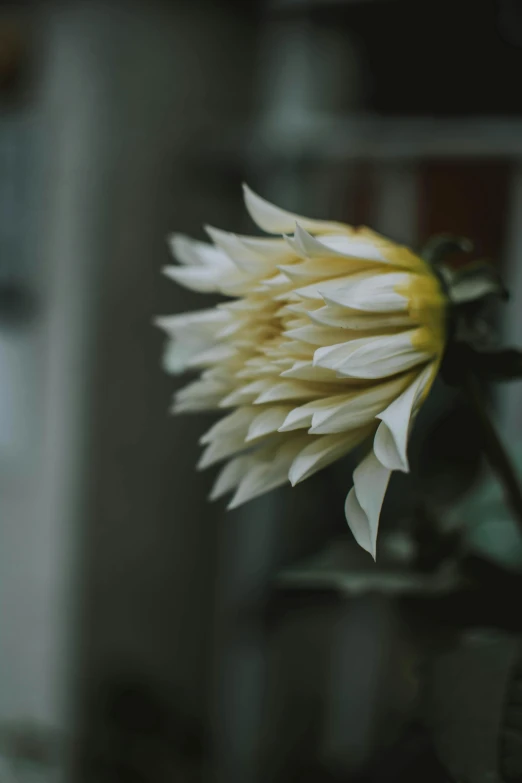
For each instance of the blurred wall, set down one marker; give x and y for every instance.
(117, 575)
(110, 548)
(171, 83)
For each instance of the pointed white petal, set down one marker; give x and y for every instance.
(304, 370)
(302, 308)
(358, 522)
(274, 250)
(321, 451)
(357, 248)
(301, 417)
(366, 244)
(348, 248)
(197, 278)
(222, 447)
(315, 335)
(294, 390)
(357, 320)
(378, 293)
(246, 394)
(244, 258)
(198, 321)
(213, 355)
(231, 475)
(204, 394)
(293, 349)
(260, 478)
(248, 304)
(308, 246)
(236, 283)
(190, 252)
(284, 390)
(357, 408)
(179, 353)
(364, 501)
(268, 421)
(279, 280)
(239, 419)
(391, 439)
(372, 357)
(269, 472)
(298, 418)
(274, 220)
(192, 335)
(322, 269)
(322, 288)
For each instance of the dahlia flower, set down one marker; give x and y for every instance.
(331, 337)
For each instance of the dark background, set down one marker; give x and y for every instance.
(145, 634)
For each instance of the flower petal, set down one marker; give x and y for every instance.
(238, 419)
(321, 269)
(321, 288)
(357, 320)
(220, 448)
(211, 355)
(293, 390)
(375, 294)
(301, 417)
(231, 474)
(304, 370)
(391, 439)
(340, 248)
(268, 421)
(322, 451)
(202, 395)
(274, 250)
(357, 408)
(364, 501)
(178, 353)
(191, 252)
(358, 522)
(278, 221)
(307, 246)
(373, 357)
(357, 246)
(198, 278)
(269, 471)
(315, 335)
(246, 259)
(198, 321)
(246, 394)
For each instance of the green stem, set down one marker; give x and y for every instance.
(493, 446)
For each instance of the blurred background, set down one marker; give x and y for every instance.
(146, 635)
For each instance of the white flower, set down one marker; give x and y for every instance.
(333, 336)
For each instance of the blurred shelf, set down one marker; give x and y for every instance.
(346, 570)
(334, 138)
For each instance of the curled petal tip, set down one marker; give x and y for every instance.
(159, 321)
(212, 231)
(217, 235)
